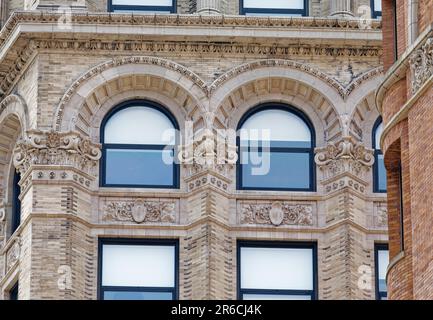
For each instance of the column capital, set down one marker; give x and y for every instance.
(52, 148)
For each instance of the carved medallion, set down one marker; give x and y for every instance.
(276, 214)
(138, 212)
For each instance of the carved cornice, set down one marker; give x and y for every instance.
(421, 64)
(276, 213)
(345, 155)
(140, 211)
(177, 20)
(56, 148)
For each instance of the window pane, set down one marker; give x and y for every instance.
(378, 134)
(282, 126)
(383, 257)
(131, 295)
(143, 2)
(377, 5)
(381, 174)
(274, 4)
(276, 268)
(138, 266)
(139, 125)
(139, 167)
(274, 297)
(276, 170)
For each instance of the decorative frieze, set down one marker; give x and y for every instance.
(276, 213)
(13, 255)
(220, 48)
(380, 215)
(140, 211)
(421, 64)
(345, 155)
(53, 148)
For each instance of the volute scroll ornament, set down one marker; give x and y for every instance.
(56, 148)
(345, 155)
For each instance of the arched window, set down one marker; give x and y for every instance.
(276, 146)
(16, 203)
(379, 172)
(139, 139)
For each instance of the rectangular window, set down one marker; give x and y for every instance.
(277, 271)
(277, 170)
(138, 269)
(146, 6)
(376, 8)
(131, 167)
(274, 7)
(381, 257)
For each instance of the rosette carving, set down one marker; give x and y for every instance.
(56, 148)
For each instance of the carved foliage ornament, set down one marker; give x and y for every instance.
(421, 64)
(277, 213)
(140, 211)
(347, 151)
(56, 148)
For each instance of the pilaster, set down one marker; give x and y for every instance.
(58, 172)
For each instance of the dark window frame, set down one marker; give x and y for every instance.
(277, 244)
(375, 14)
(310, 151)
(401, 204)
(378, 247)
(139, 242)
(113, 8)
(394, 8)
(13, 292)
(304, 12)
(16, 203)
(113, 111)
(377, 153)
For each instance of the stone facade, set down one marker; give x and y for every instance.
(404, 98)
(58, 85)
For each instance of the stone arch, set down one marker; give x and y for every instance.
(13, 125)
(280, 81)
(134, 77)
(364, 111)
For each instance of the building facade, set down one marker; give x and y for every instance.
(100, 200)
(404, 98)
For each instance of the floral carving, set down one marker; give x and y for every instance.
(345, 155)
(56, 148)
(276, 213)
(13, 255)
(140, 211)
(421, 64)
